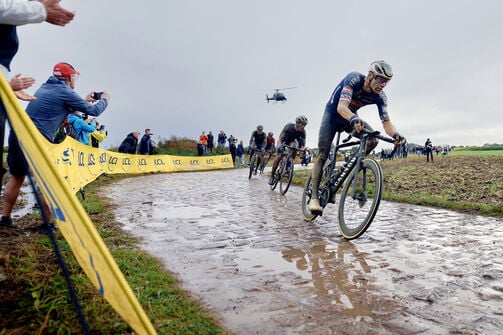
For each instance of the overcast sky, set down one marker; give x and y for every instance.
(183, 67)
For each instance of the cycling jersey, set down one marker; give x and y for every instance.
(258, 139)
(350, 89)
(269, 143)
(289, 134)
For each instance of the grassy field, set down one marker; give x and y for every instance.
(476, 153)
(34, 298)
(468, 183)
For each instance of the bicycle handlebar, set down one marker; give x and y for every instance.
(284, 145)
(372, 134)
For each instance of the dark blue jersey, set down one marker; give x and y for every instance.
(258, 139)
(350, 89)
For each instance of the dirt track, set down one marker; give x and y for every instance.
(248, 255)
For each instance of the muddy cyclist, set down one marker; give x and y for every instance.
(293, 134)
(353, 92)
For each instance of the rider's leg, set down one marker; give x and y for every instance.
(328, 127)
(371, 143)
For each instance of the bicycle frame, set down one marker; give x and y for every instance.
(338, 177)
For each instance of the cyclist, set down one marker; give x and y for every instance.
(257, 142)
(354, 91)
(293, 134)
(269, 146)
(269, 142)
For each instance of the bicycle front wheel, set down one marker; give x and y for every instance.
(360, 199)
(253, 161)
(286, 176)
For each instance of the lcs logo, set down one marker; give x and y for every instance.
(210, 161)
(225, 160)
(194, 162)
(176, 162)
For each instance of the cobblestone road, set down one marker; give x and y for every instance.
(246, 253)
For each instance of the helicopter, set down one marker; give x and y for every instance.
(277, 95)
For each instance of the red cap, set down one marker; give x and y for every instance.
(64, 70)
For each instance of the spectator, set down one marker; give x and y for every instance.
(203, 139)
(240, 151)
(428, 148)
(146, 143)
(221, 140)
(98, 136)
(232, 147)
(129, 144)
(211, 141)
(12, 14)
(82, 125)
(56, 99)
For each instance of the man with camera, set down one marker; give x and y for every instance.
(56, 99)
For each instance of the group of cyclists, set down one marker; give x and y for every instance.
(353, 92)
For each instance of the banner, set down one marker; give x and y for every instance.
(80, 164)
(60, 170)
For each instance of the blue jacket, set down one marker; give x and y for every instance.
(81, 127)
(145, 145)
(55, 100)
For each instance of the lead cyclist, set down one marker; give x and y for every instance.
(353, 92)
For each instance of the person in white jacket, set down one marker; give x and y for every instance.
(14, 13)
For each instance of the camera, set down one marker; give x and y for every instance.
(102, 127)
(96, 95)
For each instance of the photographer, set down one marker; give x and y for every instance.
(83, 125)
(221, 140)
(98, 136)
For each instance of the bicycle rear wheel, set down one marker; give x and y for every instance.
(306, 199)
(360, 199)
(286, 176)
(253, 161)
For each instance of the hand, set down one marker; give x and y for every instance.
(356, 123)
(22, 95)
(56, 14)
(105, 95)
(399, 139)
(18, 83)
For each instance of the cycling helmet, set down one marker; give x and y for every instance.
(381, 69)
(301, 119)
(260, 128)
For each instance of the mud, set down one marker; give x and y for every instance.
(246, 253)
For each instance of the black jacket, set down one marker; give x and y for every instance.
(128, 146)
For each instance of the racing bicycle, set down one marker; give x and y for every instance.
(257, 156)
(361, 179)
(265, 159)
(284, 172)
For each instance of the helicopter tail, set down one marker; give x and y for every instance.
(267, 98)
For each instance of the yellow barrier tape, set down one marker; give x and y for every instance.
(80, 164)
(73, 222)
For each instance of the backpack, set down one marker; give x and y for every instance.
(70, 131)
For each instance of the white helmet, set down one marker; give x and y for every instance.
(301, 119)
(381, 69)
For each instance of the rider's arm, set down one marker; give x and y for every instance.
(388, 126)
(343, 109)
